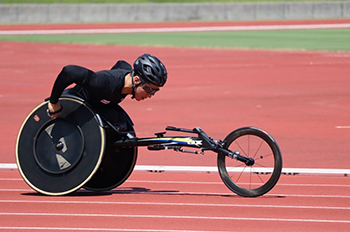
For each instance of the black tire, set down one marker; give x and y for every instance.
(58, 156)
(256, 180)
(118, 162)
(116, 167)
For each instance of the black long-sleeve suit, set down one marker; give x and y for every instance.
(102, 90)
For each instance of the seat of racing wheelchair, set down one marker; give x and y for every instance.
(61, 155)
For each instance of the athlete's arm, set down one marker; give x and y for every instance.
(70, 74)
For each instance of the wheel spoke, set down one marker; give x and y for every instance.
(256, 180)
(242, 150)
(239, 177)
(262, 141)
(263, 157)
(262, 181)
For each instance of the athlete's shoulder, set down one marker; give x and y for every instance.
(122, 64)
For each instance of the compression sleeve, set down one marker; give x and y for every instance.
(70, 74)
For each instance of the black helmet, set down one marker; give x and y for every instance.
(150, 69)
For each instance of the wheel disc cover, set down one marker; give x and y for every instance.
(58, 156)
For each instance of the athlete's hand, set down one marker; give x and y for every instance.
(54, 109)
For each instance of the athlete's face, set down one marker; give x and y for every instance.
(145, 90)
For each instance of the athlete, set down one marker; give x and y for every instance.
(104, 90)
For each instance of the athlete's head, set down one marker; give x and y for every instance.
(150, 69)
(149, 75)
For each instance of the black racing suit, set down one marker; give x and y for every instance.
(102, 90)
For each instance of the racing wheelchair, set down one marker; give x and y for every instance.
(80, 149)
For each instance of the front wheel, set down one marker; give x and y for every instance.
(262, 176)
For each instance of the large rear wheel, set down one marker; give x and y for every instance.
(116, 167)
(118, 162)
(58, 156)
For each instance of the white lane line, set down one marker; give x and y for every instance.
(220, 183)
(215, 169)
(174, 217)
(342, 127)
(177, 204)
(8, 166)
(174, 29)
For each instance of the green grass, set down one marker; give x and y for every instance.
(320, 40)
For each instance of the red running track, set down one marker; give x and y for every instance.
(179, 202)
(301, 98)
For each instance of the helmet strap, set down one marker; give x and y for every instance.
(133, 85)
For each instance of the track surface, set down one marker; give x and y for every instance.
(179, 202)
(301, 98)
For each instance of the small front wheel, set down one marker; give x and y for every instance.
(259, 178)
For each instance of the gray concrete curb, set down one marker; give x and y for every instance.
(69, 13)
